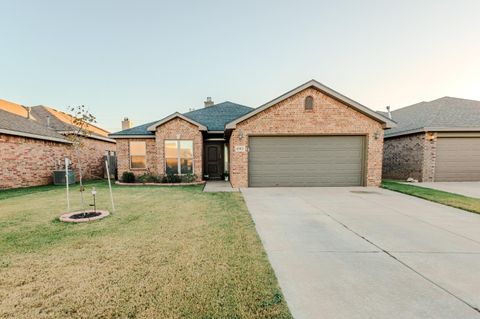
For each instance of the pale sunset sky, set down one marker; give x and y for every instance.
(148, 59)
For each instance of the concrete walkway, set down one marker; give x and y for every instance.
(219, 186)
(369, 253)
(471, 189)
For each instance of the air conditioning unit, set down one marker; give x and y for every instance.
(59, 177)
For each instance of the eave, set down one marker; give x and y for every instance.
(34, 136)
(434, 129)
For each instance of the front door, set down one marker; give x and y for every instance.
(214, 160)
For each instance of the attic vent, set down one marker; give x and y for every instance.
(309, 103)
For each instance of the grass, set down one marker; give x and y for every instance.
(455, 200)
(167, 252)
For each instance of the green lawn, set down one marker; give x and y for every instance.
(167, 252)
(459, 201)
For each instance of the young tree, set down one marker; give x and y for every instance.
(81, 121)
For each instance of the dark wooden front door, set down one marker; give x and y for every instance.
(214, 160)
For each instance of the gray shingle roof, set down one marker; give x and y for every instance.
(62, 123)
(442, 114)
(40, 113)
(20, 124)
(137, 130)
(213, 117)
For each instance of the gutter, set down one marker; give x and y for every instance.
(434, 129)
(131, 136)
(34, 136)
(101, 138)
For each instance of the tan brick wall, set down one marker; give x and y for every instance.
(123, 156)
(409, 156)
(29, 162)
(429, 158)
(172, 130)
(178, 129)
(290, 118)
(403, 157)
(92, 153)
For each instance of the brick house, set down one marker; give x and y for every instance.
(434, 141)
(309, 136)
(33, 143)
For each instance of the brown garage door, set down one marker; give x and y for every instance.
(458, 159)
(306, 161)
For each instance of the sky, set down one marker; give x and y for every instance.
(147, 59)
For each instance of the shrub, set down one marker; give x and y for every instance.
(171, 178)
(128, 177)
(149, 178)
(188, 178)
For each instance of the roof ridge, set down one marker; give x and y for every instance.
(215, 105)
(455, 98)
(409, 106)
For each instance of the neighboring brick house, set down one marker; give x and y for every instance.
(309, 136)
(33, 143)
(434, 141)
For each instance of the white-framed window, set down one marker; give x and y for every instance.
(138, 154)
(179, 157)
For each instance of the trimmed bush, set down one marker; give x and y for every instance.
(149, 178)
(171, 178)
(128, 177)
(189, 178)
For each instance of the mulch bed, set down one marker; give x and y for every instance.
(87, 216)
(160, 184)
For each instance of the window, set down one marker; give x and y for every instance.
(138, 155)
(178, 157)
(309, 103)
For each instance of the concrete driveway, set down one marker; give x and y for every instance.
(369, 253)
(471, 189)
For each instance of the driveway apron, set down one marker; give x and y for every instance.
(368, 253)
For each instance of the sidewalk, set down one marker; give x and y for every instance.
(219, 186)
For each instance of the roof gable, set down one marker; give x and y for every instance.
(324, 89)
(215, 117)
(212, 118)
(153, 127)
